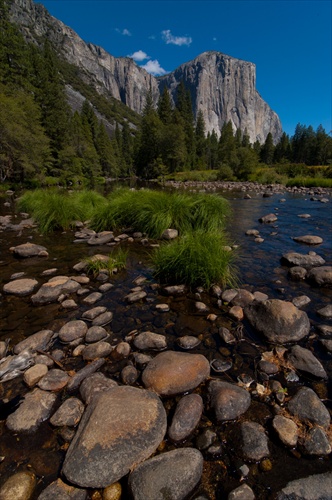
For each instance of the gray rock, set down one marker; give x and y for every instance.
(50, 292)
(201, 307)
(297, 273)
(301, 301)
(162, 307)
(19, 486)
(95, 333)
(174, 290)
(39, 341)
(315, 487)
(29, 250)
(228, 400)
(326, 311)
(267, 219)
(327, 343)
(91, 314)
(308, 239)
(303, 359)
(243, 492)
(97, 350)
(35, 408)
(188, 342)
(279, 321)
(286, 429)
(81, 375)
(187, 415)
(54, 380)
(303, 260)
(103, 319)
(320, 276)
(171, 372)
(252, 232)
(242, 298)
(170, 234)
(133, 297)
(229, 295)
(73, 330)
(307, 406)
(226, 335)
(255, 441)
(119, 429)
(92, 298)
(129, 375)
(61, 491)
(95, 384)
(69, 413)
(101, 238)
(316, 442)
(20, 287)
(173, 474)
(150, 340)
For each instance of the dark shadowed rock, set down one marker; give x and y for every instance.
(242, 298)
(40, 341)
(325, 312)
(69, 413)
(316, 442)
(255, 441)
(320, 276)
(58, 490)
(35, 408)
(73, 330)
(186, 417)
(267, 219)
(228, 400)
(20, 287)
(170, 475)
(297, 273)
(315, 487)
(95, 384)
(19, 486)
(29, 250)
(129, 375)
(171, 372)
(279, 321)
(303, 359)
(303, 260)
(307, 406)
(119, 429)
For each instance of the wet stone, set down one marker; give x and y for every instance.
(54, 380)
(186, 417)
(315, 487)
(141, 359)
(286, 429)
(302, 260)
(19, 486)
(297, 273)
(268, 367)
(20, 287)
(95, 333)
(171, 372)
(301, 301)
(39, 341)
(95, 384)
(162, 307)
(82, 374)
(82, 280)
(205, 439)
(201, 307)
(176, 472)
(229, 295)
(103, 319)
(226, 335)
(255, 441)
(35, 408)
(69, 413)
(73, 330)
(91, 314)
(320, 276)
(97, 350)
(119, 429)
(243, 492)
(303, 359)
(228, 400)
(325, 312)
(150, 340)
(29, 250)
(307, 406)
(50, 292)
(188, 342)
(236, 313)
(267, 219)
(69, 304)
(32, 376)
(92, 298)
(316, 442)
(62, 491)
(308, 239)
(129, 375)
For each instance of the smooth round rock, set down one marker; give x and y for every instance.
(69, 413)
(95, 384)
(91, 314)
(29, 250)
(255, 441)
(315, 487)
(95, 333)
(188, 342)
(286, 429)
(54, 380)
(228, 400)
(119, 429)
(150, 340)
(279, 321)
(97, 350)
(171, 372)
(307, 406)
(20, 486)
(302, 359)
(173, 474)
(20, 287)
(308, 239)
(73, 330)
(103, 319)
(186, 417)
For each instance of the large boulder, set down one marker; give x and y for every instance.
(170, 475)
(279, 321)
(171, 372)
(320, 276)
(119, 429)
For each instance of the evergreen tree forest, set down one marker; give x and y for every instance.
(44, 142)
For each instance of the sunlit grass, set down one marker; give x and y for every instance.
(310, 182)
(116, 260)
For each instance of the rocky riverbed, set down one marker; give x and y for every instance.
(114, 386)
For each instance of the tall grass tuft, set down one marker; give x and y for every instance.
(197, 259)
(116, 260)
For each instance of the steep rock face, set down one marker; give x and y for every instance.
(223, 87)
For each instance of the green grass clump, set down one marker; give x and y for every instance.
(310, 182)
(117, 260)
(197, 259)
(152, 212)
(53, 209)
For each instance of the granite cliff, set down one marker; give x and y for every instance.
(223, 87)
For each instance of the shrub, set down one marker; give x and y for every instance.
(197, 259)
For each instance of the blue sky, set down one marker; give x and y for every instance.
(289, 41)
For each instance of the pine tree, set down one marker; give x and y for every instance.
(200, 140)
(267, 150)
(165, 110)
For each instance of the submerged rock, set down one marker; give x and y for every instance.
(303, 359)
(308, 239)
(50, 292)
(186, 417)
(315, 487)
(20, 287)
(119, 429)
(255, 441)
(39, 341)
(35, 408)
(320, 276)
(170, 475)
(228, 400)
(303, 260)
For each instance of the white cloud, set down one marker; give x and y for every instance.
(175, 40)
(153, 67)
(123, 32)
(139, 55)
